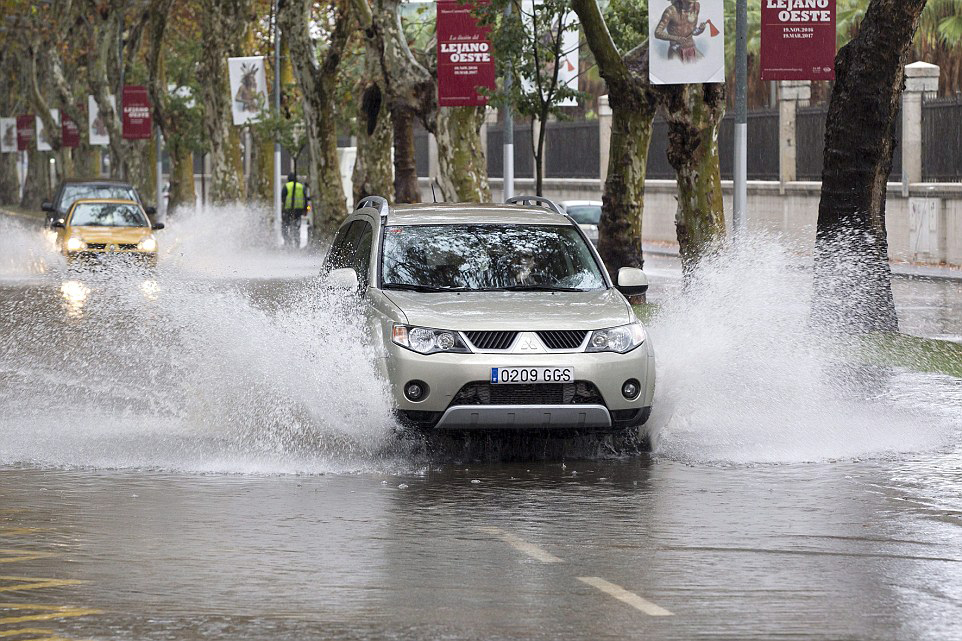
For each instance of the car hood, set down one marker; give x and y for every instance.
(110, 234)
(472, 311)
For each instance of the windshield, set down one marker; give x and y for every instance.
(73, 193)
(488, 257)
(585, 214)
(107, 215)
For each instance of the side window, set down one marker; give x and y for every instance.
(340, 251)
(361, 258)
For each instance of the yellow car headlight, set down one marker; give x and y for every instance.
(148, 244)
(75, 244)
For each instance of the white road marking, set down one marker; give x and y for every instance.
(625, 596)
(523, 546)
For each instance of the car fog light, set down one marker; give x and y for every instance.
(75, 244)
(630, 389)
(416, 391)
(148, 244)
(445, 340)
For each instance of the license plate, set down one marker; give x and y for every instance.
(529, 375)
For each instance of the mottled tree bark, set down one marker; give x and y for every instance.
(36, 187)
(633, 109)
(373, 170)
(318, 82)
(181, 190)
(406, 188)
(694, 114)
(9, 184)
(462, 164)
(223, 23)
(853, 288)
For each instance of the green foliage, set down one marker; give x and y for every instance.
(627, 22)
(529, 46)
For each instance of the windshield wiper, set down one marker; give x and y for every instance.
(407, 287)
(534, 288)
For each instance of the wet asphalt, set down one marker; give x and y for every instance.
(113, 526)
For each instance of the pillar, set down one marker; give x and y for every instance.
(921, 81)
(604, 137)
(792, 94)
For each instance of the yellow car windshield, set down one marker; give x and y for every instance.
(107, 215)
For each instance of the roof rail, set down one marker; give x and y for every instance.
(547, 203)
(376, 202)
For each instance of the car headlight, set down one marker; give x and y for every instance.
(148, 244)
(621, 339)
(424, 340)
(75, 244)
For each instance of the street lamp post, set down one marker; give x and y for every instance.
(277, 114)
(741, 117)
(507, 172)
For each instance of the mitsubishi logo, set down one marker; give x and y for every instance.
(528, 343)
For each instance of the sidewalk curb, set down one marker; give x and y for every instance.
(901, 270)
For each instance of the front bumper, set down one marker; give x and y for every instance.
(447, 375)
(99, 255)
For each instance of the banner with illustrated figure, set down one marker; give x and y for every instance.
(97, 130)
(570, 38)
(248, 88)
(686, 41)
(798, 40)
(43, 141)
(8, 135)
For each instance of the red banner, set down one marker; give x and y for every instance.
(69, 132)
(465, 58)
(136, 113)
(798, 40)
(25, 124)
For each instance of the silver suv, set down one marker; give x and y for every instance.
(496, 316)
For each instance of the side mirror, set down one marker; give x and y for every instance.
(150, 211)
(58, 224)
(157, 226)
(344, 278)
(632, 281)
(47, 207)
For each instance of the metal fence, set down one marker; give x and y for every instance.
(810, 141)
(942, 139)
(571, 149)
(523, 158)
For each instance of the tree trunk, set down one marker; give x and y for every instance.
(538, 152)
(36, 187)
(633, 106)
(463, 166)
(853, 288)
(318, 82)
(373, 171)
(181, 192)
(406, 188)
(222, 26)
(9, 183)
(694, 114)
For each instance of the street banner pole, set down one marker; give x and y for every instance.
(508, 133)
(741, 117)
(161, 207)
(277, 142)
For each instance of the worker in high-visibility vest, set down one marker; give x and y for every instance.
(295, 201)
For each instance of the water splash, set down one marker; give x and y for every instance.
(744, 376)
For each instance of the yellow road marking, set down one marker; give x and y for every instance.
(13, 555)
(47, 612)
(523, 546)
(28, 583)
(13, 531)
(625, 596)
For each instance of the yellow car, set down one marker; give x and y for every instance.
(105, 227)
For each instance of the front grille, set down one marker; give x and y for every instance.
(491, 340)
(562, 339)
(128, 246)
(96, 245)
(483, 393)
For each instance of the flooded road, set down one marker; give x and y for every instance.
(205, 452)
